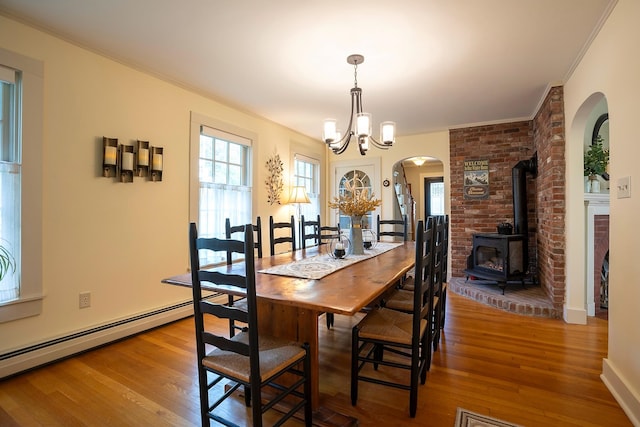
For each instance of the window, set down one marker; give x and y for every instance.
(306, 173)
(222, 189)
(21, 100)
(10, 171)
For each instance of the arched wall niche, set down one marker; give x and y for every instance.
(579, 138)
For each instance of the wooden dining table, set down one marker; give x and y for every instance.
(289, 306)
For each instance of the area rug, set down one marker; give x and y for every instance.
(466, 418)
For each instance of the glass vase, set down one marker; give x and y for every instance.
(355, 235)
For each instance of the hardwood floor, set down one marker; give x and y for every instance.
(529, 371)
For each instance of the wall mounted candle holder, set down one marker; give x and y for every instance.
(157, 160)
(142, 159)
(126, 157)
(109, 157)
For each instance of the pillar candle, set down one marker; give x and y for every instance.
(157, 162)
(109, 155)
(143, 157)
(127, 161)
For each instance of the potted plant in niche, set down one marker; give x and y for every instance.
(596, 159)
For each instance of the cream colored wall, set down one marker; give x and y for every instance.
(611, 67)
(118, 240)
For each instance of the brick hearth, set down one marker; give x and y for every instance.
(531, 301)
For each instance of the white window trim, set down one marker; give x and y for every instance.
(198, 120)
(31, 289)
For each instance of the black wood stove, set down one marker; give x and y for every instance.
(505, 257)
(497, 257)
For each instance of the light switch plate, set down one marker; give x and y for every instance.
(624, 187)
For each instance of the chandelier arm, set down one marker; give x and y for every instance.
(377, 144)
(343, 148)
(343, 143)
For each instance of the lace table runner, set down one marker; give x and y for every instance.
(319, 266)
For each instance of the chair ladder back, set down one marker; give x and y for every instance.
(230, 230)
(424, 291)
(290, 238)
(328, 233)
(306, 234)
(393, 232)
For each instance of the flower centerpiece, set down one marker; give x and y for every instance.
(355, 202)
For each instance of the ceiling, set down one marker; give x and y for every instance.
(429, 64)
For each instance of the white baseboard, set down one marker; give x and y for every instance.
(575, 316)
(34, 356)
(627, 398)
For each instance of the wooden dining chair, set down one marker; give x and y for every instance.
(445, 270)
(387, 339)
(312, 230)
(230, 230)
(402, 299)
(250, 359)
(276, 229)
(309, 230)
(389, 227)
(442, 234)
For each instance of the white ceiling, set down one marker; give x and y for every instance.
(429, 64)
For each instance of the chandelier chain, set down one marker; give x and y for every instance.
(355, 74)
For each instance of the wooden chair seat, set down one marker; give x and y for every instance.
(275, 355)
(402, 300)
(389, 325)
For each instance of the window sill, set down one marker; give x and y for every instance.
(21, 308)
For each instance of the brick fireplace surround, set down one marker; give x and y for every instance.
(504, 145)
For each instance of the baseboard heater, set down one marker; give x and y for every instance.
(44, 353)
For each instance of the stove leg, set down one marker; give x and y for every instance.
(502, 285)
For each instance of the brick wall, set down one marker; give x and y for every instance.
(549, 141)
(504, 145)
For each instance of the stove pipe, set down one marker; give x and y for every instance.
(519, 183)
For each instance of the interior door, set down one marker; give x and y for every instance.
(367, 173)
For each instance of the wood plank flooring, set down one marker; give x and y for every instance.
(529, 371)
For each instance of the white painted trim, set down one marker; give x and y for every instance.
(576, 316)
(627, 398)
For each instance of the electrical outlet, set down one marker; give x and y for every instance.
(85, 299)
(624, 187)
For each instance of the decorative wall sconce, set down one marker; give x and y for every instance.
(123, 162)
(142, 159)
(126, 163)
(109, 156)
(157, 159)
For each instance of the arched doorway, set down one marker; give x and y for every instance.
(424, 179)
(590, 125)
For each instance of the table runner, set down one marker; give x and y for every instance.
(319, 266)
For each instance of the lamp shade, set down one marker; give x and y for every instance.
(299, 195)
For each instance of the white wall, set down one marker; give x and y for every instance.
(611, 67)
(118, 240)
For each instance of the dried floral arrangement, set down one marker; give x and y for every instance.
(274, 180)
(356, 201)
